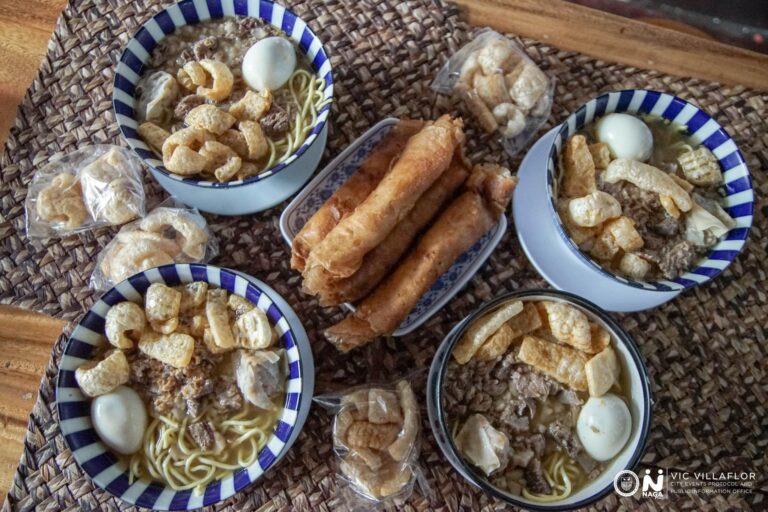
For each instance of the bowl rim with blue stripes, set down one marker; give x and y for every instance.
(635, 366)
(96, 459)
(130, 67)
(703, 129)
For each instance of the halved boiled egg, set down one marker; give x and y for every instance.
(269, 63)
(120, 419)
(627, 136)
(603, 426)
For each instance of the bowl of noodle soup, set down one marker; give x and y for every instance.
(285, 141)
(489, 385)
(170, 470)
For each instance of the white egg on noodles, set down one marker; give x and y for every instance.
(627, 136)
(603, 426)
(269, 63)
(120, 419)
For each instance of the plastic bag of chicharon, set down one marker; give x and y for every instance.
(170, 233)
(92, 187)
(501, 87)
(376, 438)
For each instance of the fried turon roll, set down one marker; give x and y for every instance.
(426, 156)
(353, 191)
(488, 192)
(385, 256)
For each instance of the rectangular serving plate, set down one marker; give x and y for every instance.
(327, 181)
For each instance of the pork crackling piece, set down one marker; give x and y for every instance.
(383, 407)
(571, 326)
(124, 324)
(174, 349)
(253, 330)
(602, 372)
(564, 364)
(482, 329)
(648, 177)
(593, 209)
(528, 320)
(162, 305)
(405, 443)
(100, 377)
(61, 202)
(217, 314)
(364, 434)
(190, 236)
(578, 168)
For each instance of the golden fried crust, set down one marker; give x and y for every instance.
(601, 155)
(600, 338)
(497, 344)
(578, 167)
(560, 362)
(482, 329)
(602, 372)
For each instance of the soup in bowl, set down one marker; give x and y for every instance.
(540, 399)
(226, 101)
(182, 385)
(649, 190)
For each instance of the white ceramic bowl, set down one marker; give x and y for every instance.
(640, 405)
(235, 197)
(103, 467)
(738, 197)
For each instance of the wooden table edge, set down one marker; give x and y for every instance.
(622, 40)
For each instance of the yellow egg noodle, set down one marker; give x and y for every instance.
(304, 93)
(170, 454)
(563, 475)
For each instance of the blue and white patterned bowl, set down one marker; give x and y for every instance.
(235, 197)
(74, 408)
(640, 403)
(738, 200)
(299, 211)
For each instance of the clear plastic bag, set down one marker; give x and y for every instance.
(92, 187)
(500, 86)
(170, 233)
(376, 438)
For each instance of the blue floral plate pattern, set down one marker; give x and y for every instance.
(335, 174)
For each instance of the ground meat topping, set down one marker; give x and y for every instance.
(678, 259)
(276, 121)
(565, 437)
(204, 48)
(228, 397)
(527, 384)
(509, 394)
(171, 391)
(202, 433)
(534, 478)
(186, 104)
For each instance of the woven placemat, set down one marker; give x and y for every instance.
(705, 350)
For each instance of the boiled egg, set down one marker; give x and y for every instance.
(603, 426)
(627, 136)
(269, 63)
(120, 419)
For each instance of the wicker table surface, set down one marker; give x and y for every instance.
(705, 350)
